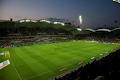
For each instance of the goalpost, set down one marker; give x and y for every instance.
(4, 59)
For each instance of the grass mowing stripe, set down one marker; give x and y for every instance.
(53, 54)
(37, 57)
(33, 64)
(12, 63)
(49, 61)
(34, 67)
(22, 66)
(16, 71)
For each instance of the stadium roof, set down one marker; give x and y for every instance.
(116, 29)
(3, 20)
(107, 30)
(88, 29)
(79, 29)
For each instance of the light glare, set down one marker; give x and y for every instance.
(80, 19)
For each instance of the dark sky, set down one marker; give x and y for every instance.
(94, 12)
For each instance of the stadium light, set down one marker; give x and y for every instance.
(80, 19)
(117, 1)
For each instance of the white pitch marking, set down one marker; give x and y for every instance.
(93, 58)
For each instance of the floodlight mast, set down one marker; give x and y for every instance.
(80, 20)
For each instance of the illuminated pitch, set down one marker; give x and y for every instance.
(47, 61)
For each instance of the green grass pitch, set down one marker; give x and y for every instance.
(46, 61)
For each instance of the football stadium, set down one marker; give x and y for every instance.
(59, 40)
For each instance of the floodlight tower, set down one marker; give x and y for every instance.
(80, 19)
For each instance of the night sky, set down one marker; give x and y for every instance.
(94, 12)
